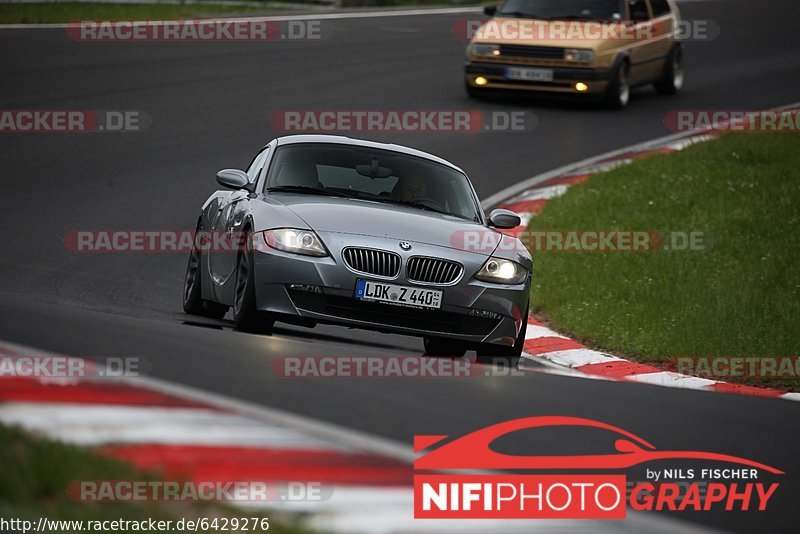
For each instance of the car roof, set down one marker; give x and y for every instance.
(343, 140)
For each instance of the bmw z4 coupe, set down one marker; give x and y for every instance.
(334, 230)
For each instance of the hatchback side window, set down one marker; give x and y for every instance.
(638, 9)
(660, 7)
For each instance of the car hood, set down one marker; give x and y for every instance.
(584, 34)
(360, 217)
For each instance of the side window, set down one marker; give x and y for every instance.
(638, 9)
(660, 8)
(256, 165)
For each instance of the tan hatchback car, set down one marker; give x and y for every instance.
(600, 48)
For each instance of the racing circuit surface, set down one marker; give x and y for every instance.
(211, 103)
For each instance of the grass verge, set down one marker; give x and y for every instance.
(409, 3)
(739, 297)
(61, 12)
(19, 13)
(37, 471)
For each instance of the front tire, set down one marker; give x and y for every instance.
(618, 93)
(246, 315)
(672, 82)
(193, 302)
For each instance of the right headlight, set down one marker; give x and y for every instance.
(295, 240)
(483, 50)
(500, 271)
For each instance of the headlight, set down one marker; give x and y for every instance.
(502, 271)
(294, 240)
(485, 50)
(578, 55)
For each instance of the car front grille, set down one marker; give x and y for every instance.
(543, 52)
(372, 261)
(432, 270)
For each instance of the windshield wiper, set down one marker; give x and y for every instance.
(307, 190)
(567, 17)
(516, 14)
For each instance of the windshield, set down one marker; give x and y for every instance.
(562, 9)
(371, 174)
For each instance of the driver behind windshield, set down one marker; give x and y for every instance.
(562, 9)
(409, 188)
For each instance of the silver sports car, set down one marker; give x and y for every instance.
(328, 229)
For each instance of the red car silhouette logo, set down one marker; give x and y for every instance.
(473, 451)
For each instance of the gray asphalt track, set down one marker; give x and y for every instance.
(210, 104)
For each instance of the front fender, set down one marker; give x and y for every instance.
(511, 248)
(266, 213)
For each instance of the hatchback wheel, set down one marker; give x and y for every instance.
(619, 90)
(672, 82)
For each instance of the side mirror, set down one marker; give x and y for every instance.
(504, 219)
(233, 179)
(489, 10)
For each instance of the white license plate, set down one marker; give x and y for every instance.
(399, 295)
(530, 75)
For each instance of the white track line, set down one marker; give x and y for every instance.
(344, 437)
(536, 331)
(100, 424)
(673, 380)
(574, 358)
(546, 193)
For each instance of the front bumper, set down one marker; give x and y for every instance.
(277, 272)
(564, 78)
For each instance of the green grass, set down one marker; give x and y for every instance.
(36, 472)
(15, 13)
(741, 297)
(20, 13)
(379, 3)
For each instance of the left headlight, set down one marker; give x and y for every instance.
(483, 50)
(295, 240)
(578, 55)
(502, 271)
